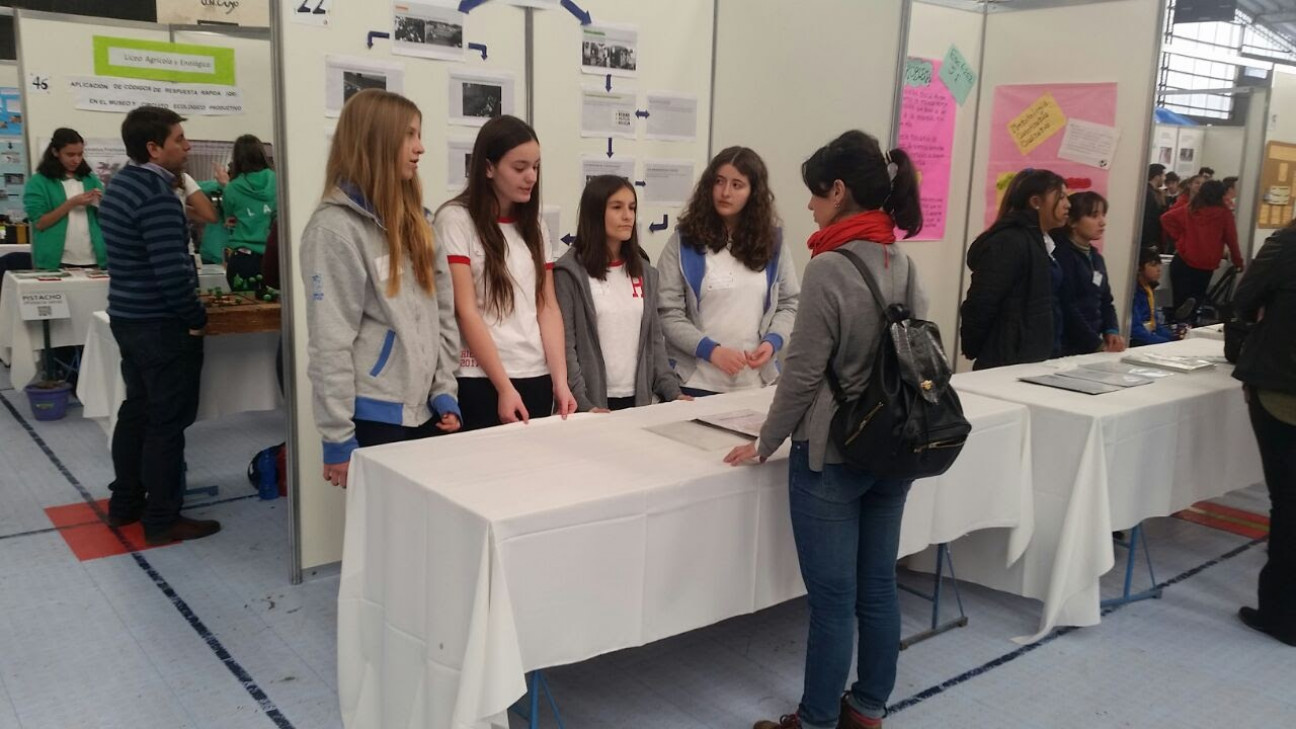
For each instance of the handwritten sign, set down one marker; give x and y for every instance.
(927, 117)
(957, 75)
(1034, 126)
(918, 72)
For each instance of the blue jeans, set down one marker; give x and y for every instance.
(847, 529)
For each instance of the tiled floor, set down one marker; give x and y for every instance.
(211, 634)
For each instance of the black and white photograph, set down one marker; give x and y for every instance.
(476, 97)
(482, 100)
(345, 77)
(353, 82)
(12, 178)
(458, 162)
(428, 31)
(610, 49)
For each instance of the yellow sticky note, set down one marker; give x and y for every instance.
(1283, 169)
(1034, 126)
(1001, 186)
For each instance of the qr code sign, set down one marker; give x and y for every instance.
(624, 119)
(45, 312)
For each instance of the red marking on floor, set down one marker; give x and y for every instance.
(1227, 519)
(90, 538)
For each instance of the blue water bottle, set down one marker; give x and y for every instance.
(268, 472)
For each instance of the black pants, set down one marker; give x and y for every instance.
(372, 433)
(621, 403)
(241, 267)
(161, 364)
(1188, 282)
(480, 403)
(14, 262)
(1278, 577)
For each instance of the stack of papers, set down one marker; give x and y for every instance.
(1073, 384)
(1168, 362)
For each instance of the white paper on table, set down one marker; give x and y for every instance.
(458, 160)
(1089, 143)
(672, 117)
(610, 49)
(595, 166)
(699, 436)
(479, 96)
(345, 76)
(747, 423)
(607, 113)
(668, 182)
(428, 29)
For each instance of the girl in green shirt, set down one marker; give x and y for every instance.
(62, 203)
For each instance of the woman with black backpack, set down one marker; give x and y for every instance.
(846, 521)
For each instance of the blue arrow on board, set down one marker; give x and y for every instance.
(665, 223)
(641, 183)
(467, 6)
(575, 10)
(641, 113)
(478, 47)
(376, 34)
(609, 82)
(609, 146)
(568, 239)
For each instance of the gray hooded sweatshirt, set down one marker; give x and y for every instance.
(586, 373)
(372, 357)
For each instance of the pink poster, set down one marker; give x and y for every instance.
(1028, 128)
(927, 116)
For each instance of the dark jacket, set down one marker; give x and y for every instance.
(1143, 313)
(1007, 317)
(1268, 359)
(1152, 212)
(586, 373)
(1087, 308)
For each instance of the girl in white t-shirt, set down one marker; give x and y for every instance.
(729, 289)
(512, 366)
(607, 291)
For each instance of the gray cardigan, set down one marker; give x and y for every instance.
(682, 270)
(586, 373)
(838, 311)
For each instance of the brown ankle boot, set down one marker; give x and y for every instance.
(787, 721)
(852, 719)
(181, 530)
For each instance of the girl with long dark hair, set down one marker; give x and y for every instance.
(62, 201)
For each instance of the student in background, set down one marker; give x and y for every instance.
(1202, 228)
(1148, 325)
(1188, 190)
(512, 365)
(846, 522)
(729, 289)
(1171, 189)
(1206, 174)
(607, 291)
(381, 331)
(1266, 296)
(1154, 206)
(1089, 321)
(248, 202)
(1011, 314)
(62, 202)
(1230, 193)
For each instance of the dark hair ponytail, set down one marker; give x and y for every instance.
(857, 160)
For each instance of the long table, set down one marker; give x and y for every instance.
(238, 375)
(1107, 462)
(472, 558)
(21, 341)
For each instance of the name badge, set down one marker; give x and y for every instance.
(382, 265)
(1097, 279)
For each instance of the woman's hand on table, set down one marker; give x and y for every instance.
(743, 454)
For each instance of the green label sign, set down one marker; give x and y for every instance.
(161, 61)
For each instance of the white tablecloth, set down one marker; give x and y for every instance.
(21, 341)
(238, 374)
(1108, 462)
(473, 558)
(1214, 331)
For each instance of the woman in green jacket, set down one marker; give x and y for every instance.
(249, 204)
(62, 203)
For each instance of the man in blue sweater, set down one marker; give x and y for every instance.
(158, 323)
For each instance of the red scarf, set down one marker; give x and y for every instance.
(874, 225)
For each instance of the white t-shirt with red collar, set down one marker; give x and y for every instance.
(619, 308)
(517, 333)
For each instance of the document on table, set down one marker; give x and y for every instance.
(695, 434)
(747, 423)
(1106, 378)
(1072, 384)
(1124, 368)
(1169, 362)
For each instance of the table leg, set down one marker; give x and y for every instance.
(1136, 536)
(943, 557)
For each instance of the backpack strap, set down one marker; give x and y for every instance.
(838, 393)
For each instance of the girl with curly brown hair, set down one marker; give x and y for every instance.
(728, 289)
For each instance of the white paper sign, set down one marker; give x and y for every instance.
(345, 77)
(309, 12)
(42, 305)
(38, 83)
(476, 97)
(672, 117)
(594, 166)
(552, 215)
(1089, 143)
(193, 12)
(428, 30)
(610, 49)
(120, 95)
(458, 161)
(667, 182)
(607, 113)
